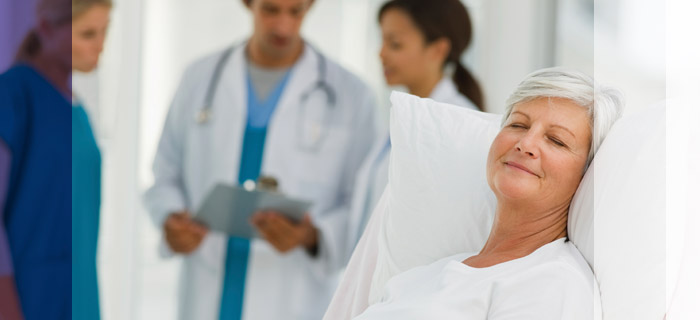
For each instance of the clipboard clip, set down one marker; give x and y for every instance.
(264, 183)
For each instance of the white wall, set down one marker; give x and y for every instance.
(112, 95)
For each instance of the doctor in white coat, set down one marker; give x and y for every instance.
(271, 106)
(420, 40)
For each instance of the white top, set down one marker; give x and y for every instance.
(553, 282)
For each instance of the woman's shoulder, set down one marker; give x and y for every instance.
(446, 92)
(560, 277)
(17, 74)
(435, 267)
(16, 86)
(562, 263)
(19, 80)
(15, 81)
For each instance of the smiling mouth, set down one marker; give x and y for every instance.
(518, 166)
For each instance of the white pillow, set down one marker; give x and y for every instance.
(624, 239)
(439, 203)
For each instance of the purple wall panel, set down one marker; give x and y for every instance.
(16, 18)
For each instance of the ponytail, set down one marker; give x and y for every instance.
(467, 85)
(54, 12)
(30, 47)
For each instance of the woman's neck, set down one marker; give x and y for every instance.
(54, 71)
(517, 233)
(425, 86)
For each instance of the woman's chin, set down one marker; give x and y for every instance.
(85, 68)
(514, 191)
(390, 81)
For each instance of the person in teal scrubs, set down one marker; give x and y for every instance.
(35, 128)
(90, 21)
(52, 238)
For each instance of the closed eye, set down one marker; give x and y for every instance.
(557, 142)
(517, 125)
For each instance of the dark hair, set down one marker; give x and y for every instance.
(53, 11)
(30, 47)
(444, 19)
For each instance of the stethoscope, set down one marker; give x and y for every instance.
(310, 135)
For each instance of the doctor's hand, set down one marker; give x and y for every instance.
(183, 234)
(284, 234)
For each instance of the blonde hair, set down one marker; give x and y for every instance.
(82, 6)
(56, 12)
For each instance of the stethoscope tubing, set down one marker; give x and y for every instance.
(205, 113)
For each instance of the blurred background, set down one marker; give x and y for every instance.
(150, 42)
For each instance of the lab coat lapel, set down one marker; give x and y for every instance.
(304, 73)
(218, 149)
(231, 104)
(282, 143)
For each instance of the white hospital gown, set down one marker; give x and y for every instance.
(554, 282)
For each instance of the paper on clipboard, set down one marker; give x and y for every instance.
(228, 209)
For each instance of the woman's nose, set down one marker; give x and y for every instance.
(528, 146)
(382, 53)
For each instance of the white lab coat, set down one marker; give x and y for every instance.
(193, 157)
(374, 172)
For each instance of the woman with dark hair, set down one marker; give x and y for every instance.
(421, 39)
(422, 44)
(35, 119)
(51, 210)
(35, 124)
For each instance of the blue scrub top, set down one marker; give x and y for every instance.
(35, 122)
(86, 176)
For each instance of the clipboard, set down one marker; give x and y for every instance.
(228, 209)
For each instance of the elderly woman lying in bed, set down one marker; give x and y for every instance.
(555, 121)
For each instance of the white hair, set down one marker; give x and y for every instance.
(603, 104)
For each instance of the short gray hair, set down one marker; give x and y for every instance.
(603, 104)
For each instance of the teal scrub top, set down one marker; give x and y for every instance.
(86, 173)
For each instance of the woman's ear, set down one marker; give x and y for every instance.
(44, 29)
(440, 49)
